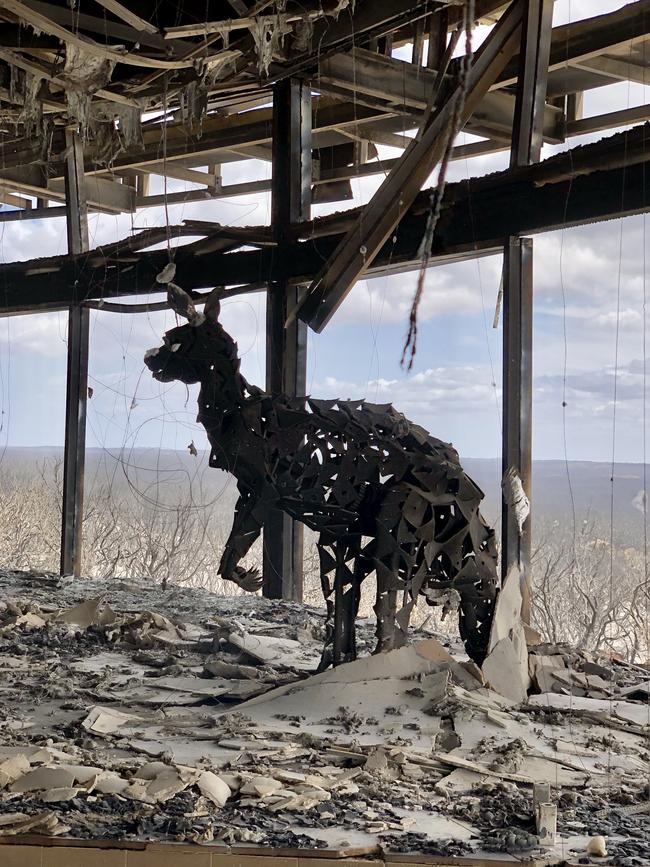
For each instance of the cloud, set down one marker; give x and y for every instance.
(39, 334)
(463, 287)
(460, 387)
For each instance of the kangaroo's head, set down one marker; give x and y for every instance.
(201, 351)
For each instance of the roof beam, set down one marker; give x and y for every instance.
(379, 218)
(591, 37)
(606, 180)
(104, 26)
(218, 135)
(110, 196)
(103, 194)
(618, 67)
(372, 20)
(392, 80)
(27, 11)
(611, 120)
(126, 15)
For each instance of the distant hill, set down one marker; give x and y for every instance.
(556, 484)
(169, 476)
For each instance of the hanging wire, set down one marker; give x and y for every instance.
(435, 203)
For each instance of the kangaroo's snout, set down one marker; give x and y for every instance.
(175, 360)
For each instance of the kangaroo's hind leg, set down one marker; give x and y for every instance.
(399, 565)
(343, 569)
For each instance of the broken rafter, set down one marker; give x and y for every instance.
(105, 27)
(121, 11)
(229, 24)
(30, 15)
(389, 204)
(41, 71)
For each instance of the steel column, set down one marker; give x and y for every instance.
(517, 399)
(77, 377)
(528, 127)
(527, 140)
(286, 347)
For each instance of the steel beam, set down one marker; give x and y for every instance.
(603, 180)
(587, 38)
(77, 379)
(390, 203)
(527, 139)
(286, 345)
(396, 82)
(530, 103)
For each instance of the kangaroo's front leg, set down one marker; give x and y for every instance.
(250, 514)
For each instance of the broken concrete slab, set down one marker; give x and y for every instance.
(86, 614)
(106, 720)
(214, 788)
(506, 666)
(43, 778)
(502, 671)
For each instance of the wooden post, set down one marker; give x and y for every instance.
(77, 370)
(286, 348)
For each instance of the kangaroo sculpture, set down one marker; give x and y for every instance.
(384, 495)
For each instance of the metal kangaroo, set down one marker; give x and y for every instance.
(383, 494)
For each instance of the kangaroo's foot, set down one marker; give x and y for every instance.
(248, 579)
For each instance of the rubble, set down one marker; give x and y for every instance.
(131, 713)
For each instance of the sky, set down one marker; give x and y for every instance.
(588, 341)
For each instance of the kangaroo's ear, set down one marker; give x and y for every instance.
(182, 304)
(213, 304)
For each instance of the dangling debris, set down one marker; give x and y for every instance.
(268, 33)
(515, 497)
(130, 124)
(167, 274)
(31, 114)
(303, 32)
(339, 6)
(84, 74)
(194, 104)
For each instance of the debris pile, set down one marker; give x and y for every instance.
(136, 714)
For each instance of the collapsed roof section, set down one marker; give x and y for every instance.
(124, 76)
(155, 90)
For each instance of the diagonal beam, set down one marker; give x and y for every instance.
(383, 213)
(121, 11)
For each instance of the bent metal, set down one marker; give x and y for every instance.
(384, 495)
